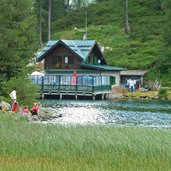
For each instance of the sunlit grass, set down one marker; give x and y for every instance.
(146, 94)
(139, 94)
(28, 146)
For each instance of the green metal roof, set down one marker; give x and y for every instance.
(70, 71)
(103, 67)
(81, 48)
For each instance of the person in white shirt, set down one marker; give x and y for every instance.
(13, 95)
(131, 84)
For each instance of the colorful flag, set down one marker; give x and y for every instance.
(74, 80)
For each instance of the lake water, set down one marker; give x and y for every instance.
(130, 112)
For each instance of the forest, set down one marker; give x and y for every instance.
(133, 33)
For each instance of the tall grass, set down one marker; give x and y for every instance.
(28, 146)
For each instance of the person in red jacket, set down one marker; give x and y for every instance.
(34, 109)
(15, 107)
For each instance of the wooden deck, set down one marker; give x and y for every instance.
(75, 90)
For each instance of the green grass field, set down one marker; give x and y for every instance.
(29, 146)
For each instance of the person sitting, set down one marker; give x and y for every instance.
(15, 107)
(34, 109)
(25, 110)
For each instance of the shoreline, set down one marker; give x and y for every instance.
(120, 93)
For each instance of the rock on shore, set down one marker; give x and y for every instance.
(118, 92)
(44, 114)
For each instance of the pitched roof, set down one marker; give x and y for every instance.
(82, 48)
(134, 72)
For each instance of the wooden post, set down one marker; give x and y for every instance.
(76, 96)
(94, 96)
(141, 80)
(108, 95)
(60, 96)
(43, 96)
(103, 96)
(42, 85)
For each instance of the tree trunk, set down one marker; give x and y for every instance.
(67, 6)
(79, 3)
(40, 25)
(127, 28)
(161, 6)
(49, 20)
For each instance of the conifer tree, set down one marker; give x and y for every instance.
(18, 36)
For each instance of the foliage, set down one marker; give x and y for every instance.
(163, 93)
(26, 91)
(17, 36)
(164, 66)
(80, 3)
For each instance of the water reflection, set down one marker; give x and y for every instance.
(146, 113)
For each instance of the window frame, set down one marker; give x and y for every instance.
(56, 60)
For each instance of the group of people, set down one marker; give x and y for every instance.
(34, 109)
(25, 110)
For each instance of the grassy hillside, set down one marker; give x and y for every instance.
(142, 49)
(119, 49)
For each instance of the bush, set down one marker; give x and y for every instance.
(163, 93)
(26, 91)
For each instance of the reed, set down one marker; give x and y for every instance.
(29, 146)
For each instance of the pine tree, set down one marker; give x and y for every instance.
(18, 36)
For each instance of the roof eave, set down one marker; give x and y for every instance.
(99, 67)
(42, 57)
(59, 42)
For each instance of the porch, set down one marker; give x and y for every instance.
(76, 91)
(61, 86)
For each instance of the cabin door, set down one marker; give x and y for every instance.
(112, 80)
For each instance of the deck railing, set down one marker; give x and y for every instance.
(75, 88)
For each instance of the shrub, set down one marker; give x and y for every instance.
(26, 91)
(163, 93)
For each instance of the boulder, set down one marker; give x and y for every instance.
(46, 113)
(5, 106)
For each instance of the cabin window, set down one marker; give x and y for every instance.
(69, 60)
(85, 80)
(56, 59)
(66, 59)
(112, 80)
(90, 60)
(95, 60)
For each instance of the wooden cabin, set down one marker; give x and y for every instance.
(75, 68)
